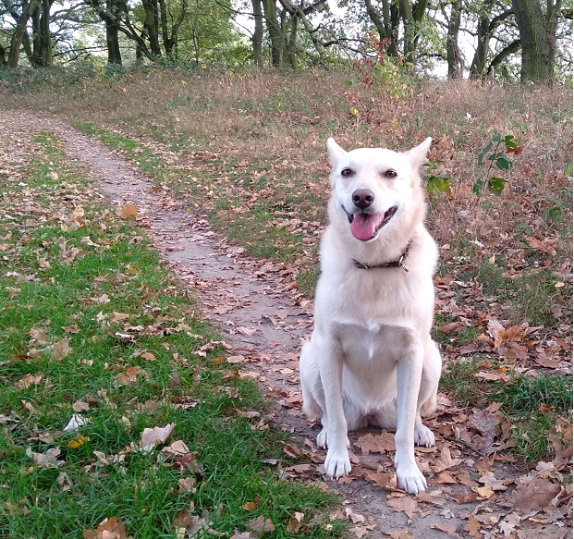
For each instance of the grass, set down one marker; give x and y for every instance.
(248, 149)
(75, 301)
(535, 406)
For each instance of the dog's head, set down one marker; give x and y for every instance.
(376, 190)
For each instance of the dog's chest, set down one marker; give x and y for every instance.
(373, 342)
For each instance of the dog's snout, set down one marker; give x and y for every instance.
(363, 198)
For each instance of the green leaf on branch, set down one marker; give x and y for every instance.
(478, 185)
(481, 155)
(503, 164)
(509, 142)
(438, 184)
(496, 185)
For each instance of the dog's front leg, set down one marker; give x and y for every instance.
(337, 462)
(409, 372)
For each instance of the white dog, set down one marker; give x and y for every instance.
(371, 359)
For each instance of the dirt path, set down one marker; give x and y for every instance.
(265, 321)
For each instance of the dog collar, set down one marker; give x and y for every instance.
(400, 263)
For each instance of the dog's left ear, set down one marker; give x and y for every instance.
(418, 155)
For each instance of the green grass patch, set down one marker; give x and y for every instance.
(536, 405)
(255, 228)
(63, 302)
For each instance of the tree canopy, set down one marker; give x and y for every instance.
(528, 40)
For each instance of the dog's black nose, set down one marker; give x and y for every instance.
(363, 198)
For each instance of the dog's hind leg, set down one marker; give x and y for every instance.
(427, 395)
(313, 396)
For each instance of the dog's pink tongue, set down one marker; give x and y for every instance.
(364, 225)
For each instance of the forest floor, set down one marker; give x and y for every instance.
(240, 233)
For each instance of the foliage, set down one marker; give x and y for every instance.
(381, 72)
(498, 159)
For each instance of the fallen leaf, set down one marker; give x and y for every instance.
(261, 525)
(80, 406)
(473, 527)
(461, 497)
(376, 443)
(360, 531)
(400, 534)
(152, 437)
(186, 485)
(111, 528)
(49, 459)
(246, 331)
(78, 441)
(447, 528)
(405, 504)
(28, 380)
(129, 211)
(534, 493)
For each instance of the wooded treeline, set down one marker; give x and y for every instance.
(530, 39)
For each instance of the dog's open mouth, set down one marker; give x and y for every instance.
(365, 226)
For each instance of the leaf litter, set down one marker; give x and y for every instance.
(465, 436)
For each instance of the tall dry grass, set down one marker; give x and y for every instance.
(282, 121)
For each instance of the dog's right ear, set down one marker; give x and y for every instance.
(335, 151)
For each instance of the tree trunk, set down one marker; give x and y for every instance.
(152, 26)
(112, 32)
(46, 36)
(257, 38)
(35, 57)
(292, 43)
(275, 34)
(409, 28)
(19, 32)
(552, 13)
(534, 40)
(3, 61)
(167, 45)
(453, 56)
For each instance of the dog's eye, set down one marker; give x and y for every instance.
(390, 173)
(347, 172)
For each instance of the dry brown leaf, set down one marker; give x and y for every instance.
(152, 437)
(81, 406)
(28, 380)
(473, 527)
(111, 528)
(450, 529)
(462, 497)
(400, 534)
(248, 332)
(186, 485)
(129, 211)
(261, 525)
(534, 493)
(250, 506)
(376, 443)
(405, 504)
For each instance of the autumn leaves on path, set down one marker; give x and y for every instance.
(477, 487)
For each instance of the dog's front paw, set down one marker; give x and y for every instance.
(423, 436)
(337, 463)
(411, 479)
